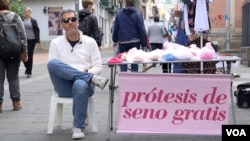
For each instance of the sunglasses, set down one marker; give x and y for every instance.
(72, 19)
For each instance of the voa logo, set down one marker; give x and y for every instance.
(236, 132)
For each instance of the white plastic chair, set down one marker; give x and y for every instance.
(56, 107)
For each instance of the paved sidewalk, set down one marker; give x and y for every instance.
(30, 124)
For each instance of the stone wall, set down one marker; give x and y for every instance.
(220, 38)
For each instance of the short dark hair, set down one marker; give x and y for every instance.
(130, 2)
(4, 5)
(156, 18)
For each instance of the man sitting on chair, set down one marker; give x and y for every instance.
(74, 64)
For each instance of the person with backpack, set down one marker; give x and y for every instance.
(13, 49)
(33, 39)
(88, 23)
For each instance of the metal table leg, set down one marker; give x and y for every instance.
(112, 88)
(228, 71)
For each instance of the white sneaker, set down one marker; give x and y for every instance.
(77, 133)
(99, 81)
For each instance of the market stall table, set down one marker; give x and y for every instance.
(113, 66)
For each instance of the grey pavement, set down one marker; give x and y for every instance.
(30, 124)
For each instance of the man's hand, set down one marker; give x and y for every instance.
(38, 45)
(24, 57)
(191, 37)
(115, 44)
(85, 70)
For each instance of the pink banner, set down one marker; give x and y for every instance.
(173, 103)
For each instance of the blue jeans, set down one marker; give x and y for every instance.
(125, 48)
(70, 82)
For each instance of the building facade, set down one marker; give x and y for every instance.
(46, 12)
(105, 10)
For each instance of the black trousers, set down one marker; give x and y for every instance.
(29, 64)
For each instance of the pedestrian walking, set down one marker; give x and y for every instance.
(156, 34)
(33, 38)
(9, 65)
(88, 23)
(129, 32)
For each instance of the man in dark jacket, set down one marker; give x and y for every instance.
(129, 31)
(88, 23)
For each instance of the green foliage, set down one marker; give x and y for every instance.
(17, 6)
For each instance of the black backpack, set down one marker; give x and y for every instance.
(84, 25)
(85, 28)
(10, 41)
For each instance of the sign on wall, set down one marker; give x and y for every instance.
(173, 103)
(54, 21)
